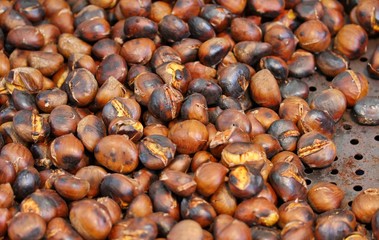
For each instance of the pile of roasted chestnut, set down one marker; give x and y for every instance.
(186, 119)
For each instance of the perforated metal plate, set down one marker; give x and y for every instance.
(356, 167)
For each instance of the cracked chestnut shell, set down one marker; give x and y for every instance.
(180, 183)
(245, 182)
(165, 103)
(354, 85)
(331, 101)
(316, 150)
(175, 74)
(31, 126)
(335, 224)
(197, 208)
(287, 181)
(164, 200)
(66, 152)
(293, 108)
(234, 79)
(117, 153)
(257, 211)
(46, 203)
(286, 132)
(119, 107)
(316, 120)
(324, 196)
(296, 210)
(228, 227)
(139, 227)
(313, 36)
(365, 204)
(156, 151)
(351, 41)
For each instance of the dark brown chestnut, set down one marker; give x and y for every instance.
(277, 66)
(173, 29)
(218, 16)
(270, 9)
(294, 87)
(301, 64)
(209, 177)
(336, 224)
(122, 160)
(119, 187)
(257, 211)
(331, 101)
(163, 200)
(90, 218)
(63, 120)
(351, 41)
(198, 209)
(27, 181)
(35, 229)
(201, 29)
(331, 63)
(313, 36)
(31, 126)
(316, 150)
(189, 136)
(354, 85)
(244, 29)
(48, 99)
(365, 111)
(250, 52)
(365, 204)
(316, 120)
(286, 132)
(288, 182)
(296, 210)
(46, 203)
(66, 151)
(324, 196)
(212, 51)
(264, 89)
(138, 51)
(140, 27)
(59, 228)
(165, 102)
(282, 40)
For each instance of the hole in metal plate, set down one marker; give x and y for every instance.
(359, 172)
(358, 156)
(347, 126)
(312, 89)
(354, 141)
(334, 172)
(308, 181)
(357, 188)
